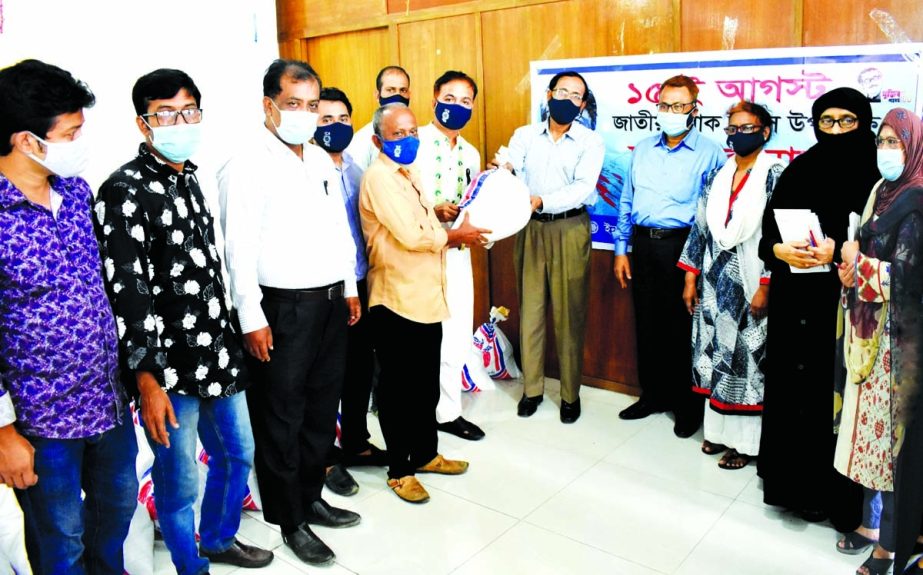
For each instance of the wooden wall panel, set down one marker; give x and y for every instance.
(352, 70)
(407, 6)
(730, 24)
(829, 24)
(304, 18)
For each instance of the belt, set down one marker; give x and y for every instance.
(561, 216)
(659, 233)
(325, 293)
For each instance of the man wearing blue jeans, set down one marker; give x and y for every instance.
(180, 355)
(64, 423)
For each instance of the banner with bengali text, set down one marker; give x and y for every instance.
(785, 80)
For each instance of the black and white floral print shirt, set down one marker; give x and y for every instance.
(163, 275)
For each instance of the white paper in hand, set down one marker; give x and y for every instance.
(498, 201)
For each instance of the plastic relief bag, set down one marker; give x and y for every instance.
(491, 355)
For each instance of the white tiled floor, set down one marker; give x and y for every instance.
(602, 496)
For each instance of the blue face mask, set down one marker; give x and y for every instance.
(403, 151)
(333, 137)
(452, 116)
(891, 164)
(177, 143)
(395, 99)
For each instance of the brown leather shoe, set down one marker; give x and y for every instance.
(444, 466)
(409, 489)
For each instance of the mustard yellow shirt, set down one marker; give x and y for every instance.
(406, 243)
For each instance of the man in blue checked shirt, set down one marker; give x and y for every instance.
(656, 210)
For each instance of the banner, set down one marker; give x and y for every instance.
(786, 81)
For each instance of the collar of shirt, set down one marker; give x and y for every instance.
(11, 196)
(577, 131)
(691, 140)
(153, 162)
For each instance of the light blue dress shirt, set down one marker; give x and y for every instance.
(350, 178)
(663, 185)
(562, 173)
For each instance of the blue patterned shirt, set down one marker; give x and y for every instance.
(58, 342)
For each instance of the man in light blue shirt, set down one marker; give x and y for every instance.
(334, 133)
(560, 161)
(656, 210)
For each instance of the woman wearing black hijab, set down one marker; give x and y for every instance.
(833, 178)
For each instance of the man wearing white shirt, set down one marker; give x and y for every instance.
(447, 163)
(291, 260)
(560, 161)
(392, 85)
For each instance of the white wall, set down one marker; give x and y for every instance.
(225, 45)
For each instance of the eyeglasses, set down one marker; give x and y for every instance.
(675, 107)
(889, 143)
(846, 122)
(565, 94)
(744, 129)
(171, 117)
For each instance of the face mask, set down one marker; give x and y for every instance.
(674, 124)
(395, 99)
(403, 151)
(334, 137)
(746, 144)
(64, 159)
(563, 111)
(176, 143)
(891, 164)
(452, 116)
(295, 127)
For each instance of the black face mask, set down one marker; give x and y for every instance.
(563, 111)
(746, 144)
(395, 98)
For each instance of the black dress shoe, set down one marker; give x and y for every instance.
(639, 410)
(376, 458)
(308, 547)
(340, 481)
(463, 428)
(685, 427)
(570, 411)
(240, 555)
(323, 514)
(528, 405)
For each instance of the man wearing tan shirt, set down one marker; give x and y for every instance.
(406, 279)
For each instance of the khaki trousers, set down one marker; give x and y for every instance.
(553, 261)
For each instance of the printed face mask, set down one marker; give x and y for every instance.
(333, 137)
(452, 116)
(396, 98)
(403, 151)
(746, 144)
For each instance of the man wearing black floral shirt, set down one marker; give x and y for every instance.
(179, 354)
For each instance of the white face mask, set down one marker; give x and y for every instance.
(673, 124)
(295, 127)
(64, 159)
(891, 164)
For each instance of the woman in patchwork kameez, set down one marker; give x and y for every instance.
(883, 274)
(727, 289)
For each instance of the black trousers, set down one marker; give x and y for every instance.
(293, 403)
(408, 388)
(357, 385)
(664, 326)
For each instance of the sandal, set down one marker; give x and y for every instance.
(734, 460)
(854, 543)
(875, 566)
(709, 448)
